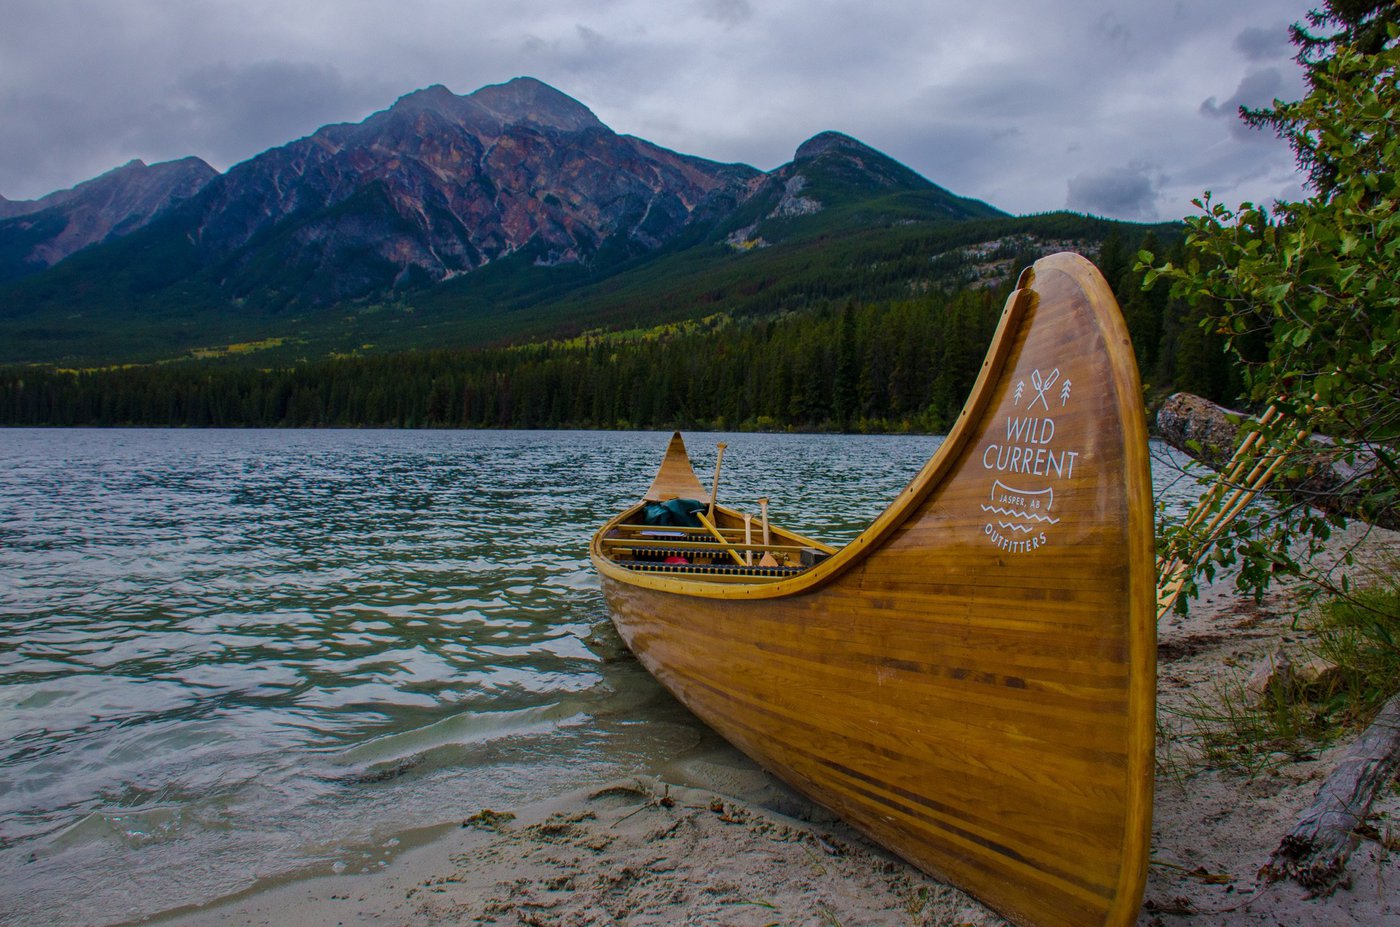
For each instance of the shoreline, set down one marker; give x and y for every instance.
(712, 839)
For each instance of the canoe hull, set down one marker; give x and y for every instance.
(972, 681)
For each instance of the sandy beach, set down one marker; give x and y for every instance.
(713, 840)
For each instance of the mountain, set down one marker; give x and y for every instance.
(36, 234)
(845, 182)
(440, 185)
(508, 214)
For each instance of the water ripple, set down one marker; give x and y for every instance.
(230, 653)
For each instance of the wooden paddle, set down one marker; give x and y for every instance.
(714, 490)
(729, 548)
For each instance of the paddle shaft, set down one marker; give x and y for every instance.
(714, 489)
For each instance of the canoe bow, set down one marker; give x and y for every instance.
(970, 681)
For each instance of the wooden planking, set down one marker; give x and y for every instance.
(948, 818)
(982, 708)
(787, 675)
(1040, 836)
(1032, 717)
(675, 479)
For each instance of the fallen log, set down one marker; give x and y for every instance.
(1199, 427)
(1315, 852)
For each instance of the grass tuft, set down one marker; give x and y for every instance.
(1229, 727)
(1361, 634)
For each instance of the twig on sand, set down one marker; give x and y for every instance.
(663, 801)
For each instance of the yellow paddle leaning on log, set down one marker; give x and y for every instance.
(1248, 471)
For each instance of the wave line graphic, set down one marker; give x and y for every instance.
(1016, 513)
(1012, 526)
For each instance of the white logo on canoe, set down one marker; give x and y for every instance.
(1020, 508)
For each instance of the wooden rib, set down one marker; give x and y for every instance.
(818, 545)
(733, 532)
(736, 520)
(988, 715)
(640, 528)
(723, 579)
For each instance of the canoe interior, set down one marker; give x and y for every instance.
(971, 681)
(735, 551)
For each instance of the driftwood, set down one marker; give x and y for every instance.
(1315, 852)
(1200, 428)
(1328, 479)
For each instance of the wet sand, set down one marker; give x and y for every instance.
(743, 850)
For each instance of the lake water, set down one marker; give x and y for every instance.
(227, 656)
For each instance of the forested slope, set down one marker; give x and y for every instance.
(876, 365)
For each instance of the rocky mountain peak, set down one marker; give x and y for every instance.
(523, 101)
(434, 99)
(823, 142)
(43, 232)
(530, 101)
(431, 97)
(844, 161)
(438, 186)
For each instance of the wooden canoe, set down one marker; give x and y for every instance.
(971, 681)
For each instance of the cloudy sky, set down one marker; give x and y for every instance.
(1118, 109)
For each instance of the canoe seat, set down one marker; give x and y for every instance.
(646, 554)
(718, 569)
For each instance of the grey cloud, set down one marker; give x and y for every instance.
(1258, 173)
(593, 41)
(1121, 193)
(1263, 44)
(985, 100)
(996, 95)
(1292, 192)
(729, 12)
(968, 158)
(1256, 89)
(220, 113)
(1112, 28)
(581, 57)
(66, 138)
(228, 111)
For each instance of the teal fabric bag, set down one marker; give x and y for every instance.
(673, 513)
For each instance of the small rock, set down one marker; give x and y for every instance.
(1318, 676)
(1270, 677)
